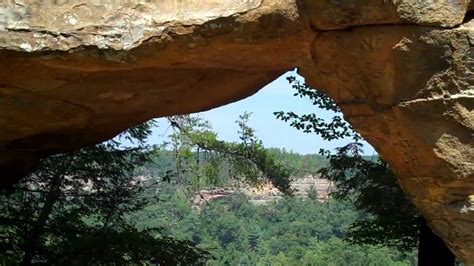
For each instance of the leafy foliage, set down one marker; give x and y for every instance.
(86, 198)
(73, 210)
(390, 218)
(301, 165)
(290, 231)
(337, 128)
(197, 150)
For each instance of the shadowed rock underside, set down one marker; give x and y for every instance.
(402, 71)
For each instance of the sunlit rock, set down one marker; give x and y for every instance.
(74, 73)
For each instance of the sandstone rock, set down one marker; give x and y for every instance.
(410, 92)
(339, 14)
(266, 193)
(66, 87)
(402, 70)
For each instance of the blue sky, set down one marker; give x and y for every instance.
(276, 96)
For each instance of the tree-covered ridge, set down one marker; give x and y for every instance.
(76, 207)
(89, 207)
(362, 180)
(299, 165)
(73, 210)
(302, 165)
(291, 231)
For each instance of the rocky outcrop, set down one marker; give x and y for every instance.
(64, 85)
(402, 71)
(302, 187)
(206, 196)
(267, 193)
(409, 90)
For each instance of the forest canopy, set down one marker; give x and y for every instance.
(114, 204)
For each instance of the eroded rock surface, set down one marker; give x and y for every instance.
(410, 92)
(74, 73)
(267, 193)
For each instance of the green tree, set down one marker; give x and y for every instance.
(239, 233)
(74, 210)
(390, 218)
(201, 156)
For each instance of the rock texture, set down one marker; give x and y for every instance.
(302, 187)
(76, 72)
(267, 193)
(63, 86)
(410, 92)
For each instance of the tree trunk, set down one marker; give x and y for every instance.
(32, 236)
(432, 250)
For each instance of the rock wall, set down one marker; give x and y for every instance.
(301, 185)
(410, 92)
(266, 193)
(76, 72)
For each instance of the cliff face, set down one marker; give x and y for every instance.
(302, 186)
(402, 70)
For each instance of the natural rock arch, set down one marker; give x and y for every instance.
(402, 70)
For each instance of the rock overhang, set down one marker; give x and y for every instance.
(401, 70)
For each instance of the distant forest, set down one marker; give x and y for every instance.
(291, 231)
(301, 165)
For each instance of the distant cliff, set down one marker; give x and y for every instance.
(304, 187)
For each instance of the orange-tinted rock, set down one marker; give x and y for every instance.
(340, 14)
(410, 92)
(403, 72)
(76, 85)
